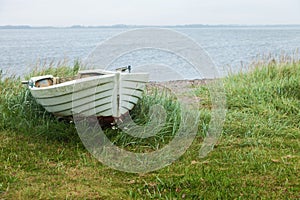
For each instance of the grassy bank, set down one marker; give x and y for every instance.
(258, 155)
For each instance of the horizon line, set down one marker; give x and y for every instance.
(148, 26)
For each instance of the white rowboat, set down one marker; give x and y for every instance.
(93, 93)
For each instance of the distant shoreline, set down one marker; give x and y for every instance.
(154, 26)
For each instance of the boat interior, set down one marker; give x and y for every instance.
(48, 80)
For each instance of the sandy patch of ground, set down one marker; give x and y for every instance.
(184, 90)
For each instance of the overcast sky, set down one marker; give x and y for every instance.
(148, 12)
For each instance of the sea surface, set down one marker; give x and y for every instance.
(230, 48)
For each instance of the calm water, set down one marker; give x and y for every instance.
(20, 49)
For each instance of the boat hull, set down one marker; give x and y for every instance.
(102, 96)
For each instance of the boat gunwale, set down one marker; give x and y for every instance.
(72, 82)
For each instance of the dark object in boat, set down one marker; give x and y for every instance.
(123, 69)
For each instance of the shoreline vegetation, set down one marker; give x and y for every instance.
(155, 26)
(257, 156)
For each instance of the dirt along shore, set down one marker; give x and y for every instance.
(184, 90)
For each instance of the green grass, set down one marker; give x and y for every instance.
(257, 156)
(20, 112)
(149, 123)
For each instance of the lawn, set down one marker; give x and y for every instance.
(256, 157)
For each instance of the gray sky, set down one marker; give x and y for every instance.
(148, 12)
